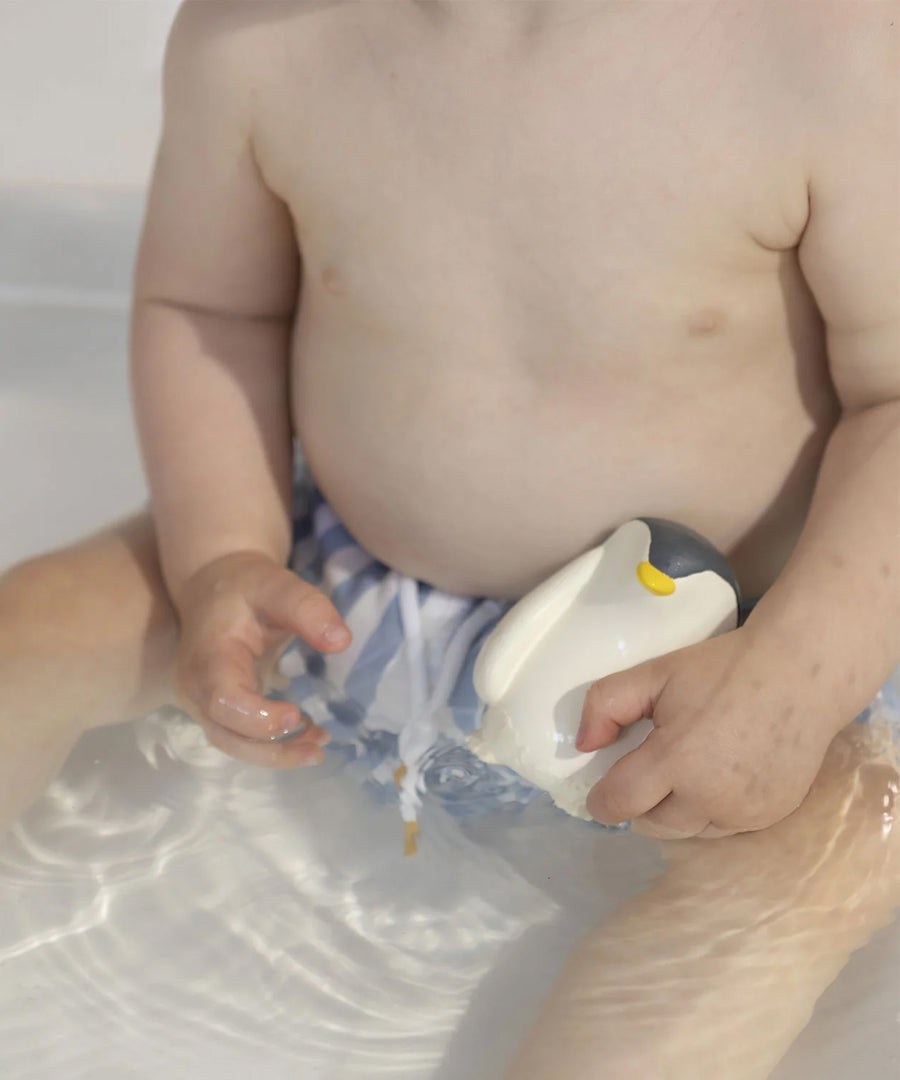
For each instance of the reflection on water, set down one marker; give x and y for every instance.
(166, 911)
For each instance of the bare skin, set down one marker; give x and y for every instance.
(87, 637)
(535, 269)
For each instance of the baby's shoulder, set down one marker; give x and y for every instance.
(842, 54)
(227, 58)
(239, 41)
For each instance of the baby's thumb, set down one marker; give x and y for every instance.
(293, 605)
(619, 700)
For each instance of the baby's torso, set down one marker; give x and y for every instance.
(549, 277)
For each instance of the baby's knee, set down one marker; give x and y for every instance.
(101, 592)
(29, 589)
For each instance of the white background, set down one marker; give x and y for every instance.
(79, 120)
(79, 89)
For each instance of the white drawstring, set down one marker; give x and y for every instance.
(420, 733)
(411, 620)
(458, 650)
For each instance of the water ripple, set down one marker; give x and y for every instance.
(166, 911)
(174, 907)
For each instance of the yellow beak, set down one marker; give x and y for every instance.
(654, 580)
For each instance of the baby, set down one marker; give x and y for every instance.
(513, 273)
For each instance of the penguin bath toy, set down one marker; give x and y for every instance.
(652, 587)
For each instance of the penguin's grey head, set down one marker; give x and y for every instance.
(678, 552)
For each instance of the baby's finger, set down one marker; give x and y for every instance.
(292, 604)
(224, 691)
(713, 832)
(246, 713)
(671, 820)
(289, 754)
(618, 700)
(634, 785)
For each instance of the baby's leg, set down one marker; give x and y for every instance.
(87, 637)
(716, 969)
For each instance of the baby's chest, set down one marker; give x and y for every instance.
(588, 187)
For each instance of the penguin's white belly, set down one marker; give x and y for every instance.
(532, 730)
(531, 726)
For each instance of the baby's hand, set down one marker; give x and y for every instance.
(735, 746)
(237, 613)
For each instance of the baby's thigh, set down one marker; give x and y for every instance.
(103, 600)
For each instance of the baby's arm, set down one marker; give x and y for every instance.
(216, 289)
(742, 722)
(836, 605)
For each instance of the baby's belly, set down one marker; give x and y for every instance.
(482, 478)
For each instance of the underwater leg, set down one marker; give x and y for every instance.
(87, 638)
(723, 959)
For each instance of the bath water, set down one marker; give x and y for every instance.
(167, 912)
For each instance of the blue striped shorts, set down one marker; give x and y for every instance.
(400, 700)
